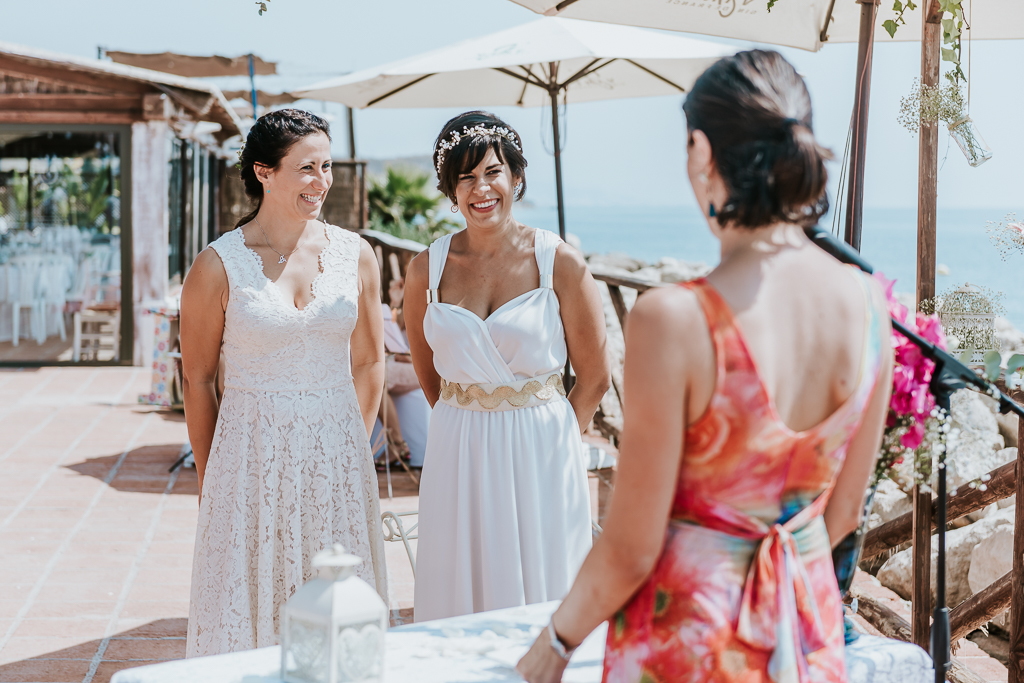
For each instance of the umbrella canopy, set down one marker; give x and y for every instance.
(535, 64)
(513, 68)
(794, 23)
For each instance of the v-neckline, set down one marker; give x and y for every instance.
(536, 259)
(273, 283)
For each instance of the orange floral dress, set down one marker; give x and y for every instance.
(744, 589)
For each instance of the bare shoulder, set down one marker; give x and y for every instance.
(367, 256)
(569, 261)
(207, 271)
(207, 280)
(419, 267)
(672, 309)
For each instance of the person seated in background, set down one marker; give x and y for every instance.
(408, 412)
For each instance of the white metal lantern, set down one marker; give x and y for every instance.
(332, 629)
(968, 316)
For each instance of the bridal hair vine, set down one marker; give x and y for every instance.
(479, 130)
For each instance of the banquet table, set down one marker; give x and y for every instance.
(484, 648)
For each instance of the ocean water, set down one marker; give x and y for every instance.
(889, 243)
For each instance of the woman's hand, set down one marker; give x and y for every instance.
(541, 664)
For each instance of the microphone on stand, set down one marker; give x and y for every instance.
(841, 250)
(948, 376)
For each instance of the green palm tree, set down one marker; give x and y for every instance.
(402, 204)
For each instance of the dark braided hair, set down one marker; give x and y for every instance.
(269, 141)
(756, 112)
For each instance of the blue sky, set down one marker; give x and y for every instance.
(625, 153)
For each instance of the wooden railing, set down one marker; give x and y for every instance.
(1008, 592)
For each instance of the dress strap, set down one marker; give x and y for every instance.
(242, 265)
(545, 244)
(437, 255)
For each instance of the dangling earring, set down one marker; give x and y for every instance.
(711, 210)
(455, 208)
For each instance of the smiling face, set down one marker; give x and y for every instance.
(299, 184)
(485, 193)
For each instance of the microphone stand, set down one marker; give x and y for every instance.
(949, 376)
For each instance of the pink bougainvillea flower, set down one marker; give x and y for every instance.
(914, 436)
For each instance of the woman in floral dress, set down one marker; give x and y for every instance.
(754, 406)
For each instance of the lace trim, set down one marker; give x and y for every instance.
(490, 401)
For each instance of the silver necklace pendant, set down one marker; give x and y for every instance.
(282, 259)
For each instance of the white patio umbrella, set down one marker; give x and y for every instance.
(532, 65)
(806, 24)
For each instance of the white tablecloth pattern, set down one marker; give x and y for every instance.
(484, 648)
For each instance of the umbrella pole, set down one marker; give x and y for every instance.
(855, 199)
(553, 91)
(567, 379)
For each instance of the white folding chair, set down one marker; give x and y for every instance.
(395, 531)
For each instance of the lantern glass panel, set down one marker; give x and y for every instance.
(308, 651)
(359, 649)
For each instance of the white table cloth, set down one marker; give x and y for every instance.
(484, 648)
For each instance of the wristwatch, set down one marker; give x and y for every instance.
(557, 645)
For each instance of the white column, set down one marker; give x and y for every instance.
(149, 229)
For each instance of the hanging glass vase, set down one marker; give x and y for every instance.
(970, 142)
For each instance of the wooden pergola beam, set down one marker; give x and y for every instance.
(69, 102)
(106, 118)
(68, 74)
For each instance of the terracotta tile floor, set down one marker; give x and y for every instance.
(95, 535)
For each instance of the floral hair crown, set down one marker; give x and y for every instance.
(478, 130)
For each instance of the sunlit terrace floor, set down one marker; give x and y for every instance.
(96, 537)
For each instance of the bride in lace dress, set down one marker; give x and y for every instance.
(283, 458)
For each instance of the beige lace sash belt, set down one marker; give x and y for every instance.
(523, 393)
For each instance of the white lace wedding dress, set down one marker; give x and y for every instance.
(289, 472)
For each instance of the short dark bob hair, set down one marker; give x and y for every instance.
(756, 112)
(471, 150)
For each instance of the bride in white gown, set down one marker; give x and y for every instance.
(504, 501)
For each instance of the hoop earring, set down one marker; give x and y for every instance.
(455, 208)
(711, 210)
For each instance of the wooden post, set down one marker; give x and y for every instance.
(927, 180)
(931, 36)
(921, 589)
(1015, 663)
(855, 200)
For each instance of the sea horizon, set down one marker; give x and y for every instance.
(888, 242)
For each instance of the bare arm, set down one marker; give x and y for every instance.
(846, 506)
(204, 299)
(415, 307)
(585, 334)
(368, 339)
(657, 388)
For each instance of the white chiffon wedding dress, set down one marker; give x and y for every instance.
(290, 472)
(504, 516)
